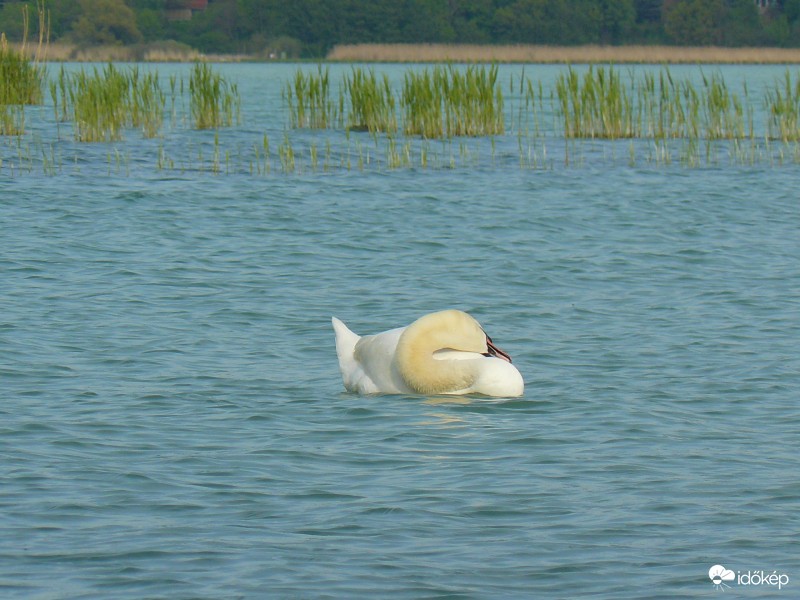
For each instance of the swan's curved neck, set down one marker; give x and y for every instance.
(428, 375)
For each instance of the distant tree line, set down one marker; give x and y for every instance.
(310, 28)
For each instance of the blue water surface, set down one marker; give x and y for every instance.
(173, 423)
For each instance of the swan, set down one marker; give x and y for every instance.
(445, 352)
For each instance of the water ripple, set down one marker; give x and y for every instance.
(173, 422)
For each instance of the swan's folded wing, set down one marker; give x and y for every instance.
(375, 357)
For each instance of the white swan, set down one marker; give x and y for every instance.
(444, 352)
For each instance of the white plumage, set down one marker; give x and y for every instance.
(445, 352)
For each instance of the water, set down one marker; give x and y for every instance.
(173, 423)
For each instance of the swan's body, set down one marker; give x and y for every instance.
(445, 352)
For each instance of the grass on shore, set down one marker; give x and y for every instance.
(171, 51)
(560, 54)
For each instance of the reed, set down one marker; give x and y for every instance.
(473, 101)
(600, 105)
(589, 54)
(146, 102)
(723, 110)
(371, 102)
(99, 101)
(214, 102)
(422, 103)
(444, 102)
(783, 105)
(309, 99)
(103, 103)
(21, 79)
(597, 105)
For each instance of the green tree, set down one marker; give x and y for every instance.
(619, 19)
(472, 21)
(105, 22)
(791, 8)
(63, 15)
(428, 21)
(694, 22)
(11, 21)
(741, 24)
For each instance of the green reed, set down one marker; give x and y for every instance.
(597, 105)
(214, 102)
(20, 84)
(146, 102)
(100, 102)
(103, 103)
(723, 110)
(309, 98)
(371, 102)
(21, 79)
(422, 104)
(444, 102)
(473, 101)
(783, 104)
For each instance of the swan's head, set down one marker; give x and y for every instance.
(449, 352)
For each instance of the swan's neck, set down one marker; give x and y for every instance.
(428, 375)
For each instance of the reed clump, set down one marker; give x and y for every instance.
(370, 100)
(214, 101)
(531, 54)
(595, 105)
(444, 102)
(783, 105)
(99, 104)
(309, 98)
(600, 105)
(103, 103)
(21, 79)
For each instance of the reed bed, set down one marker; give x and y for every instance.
(602, 105)
(103, 103)
(444, 116)
(21, 81)
(371, 102)
(99, 102)
(595, 105)
(783, 106)
(309, 99)
(569, 55)
(435, 103)
(214, 101)
(444, 102)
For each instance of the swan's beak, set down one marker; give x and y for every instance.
(495, 351)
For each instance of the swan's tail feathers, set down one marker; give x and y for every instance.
(345, 345)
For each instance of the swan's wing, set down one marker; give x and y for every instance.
(375, 356)
(346, 342)
(367, 363)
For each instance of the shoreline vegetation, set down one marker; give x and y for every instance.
(438, 102)
(561, 54)
(430, 53)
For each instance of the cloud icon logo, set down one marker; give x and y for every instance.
(719, 575)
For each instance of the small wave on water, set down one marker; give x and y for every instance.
(173, 423)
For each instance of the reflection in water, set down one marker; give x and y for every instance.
(445, 419)
(436, 400)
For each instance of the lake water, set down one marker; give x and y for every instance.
(173, 423)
